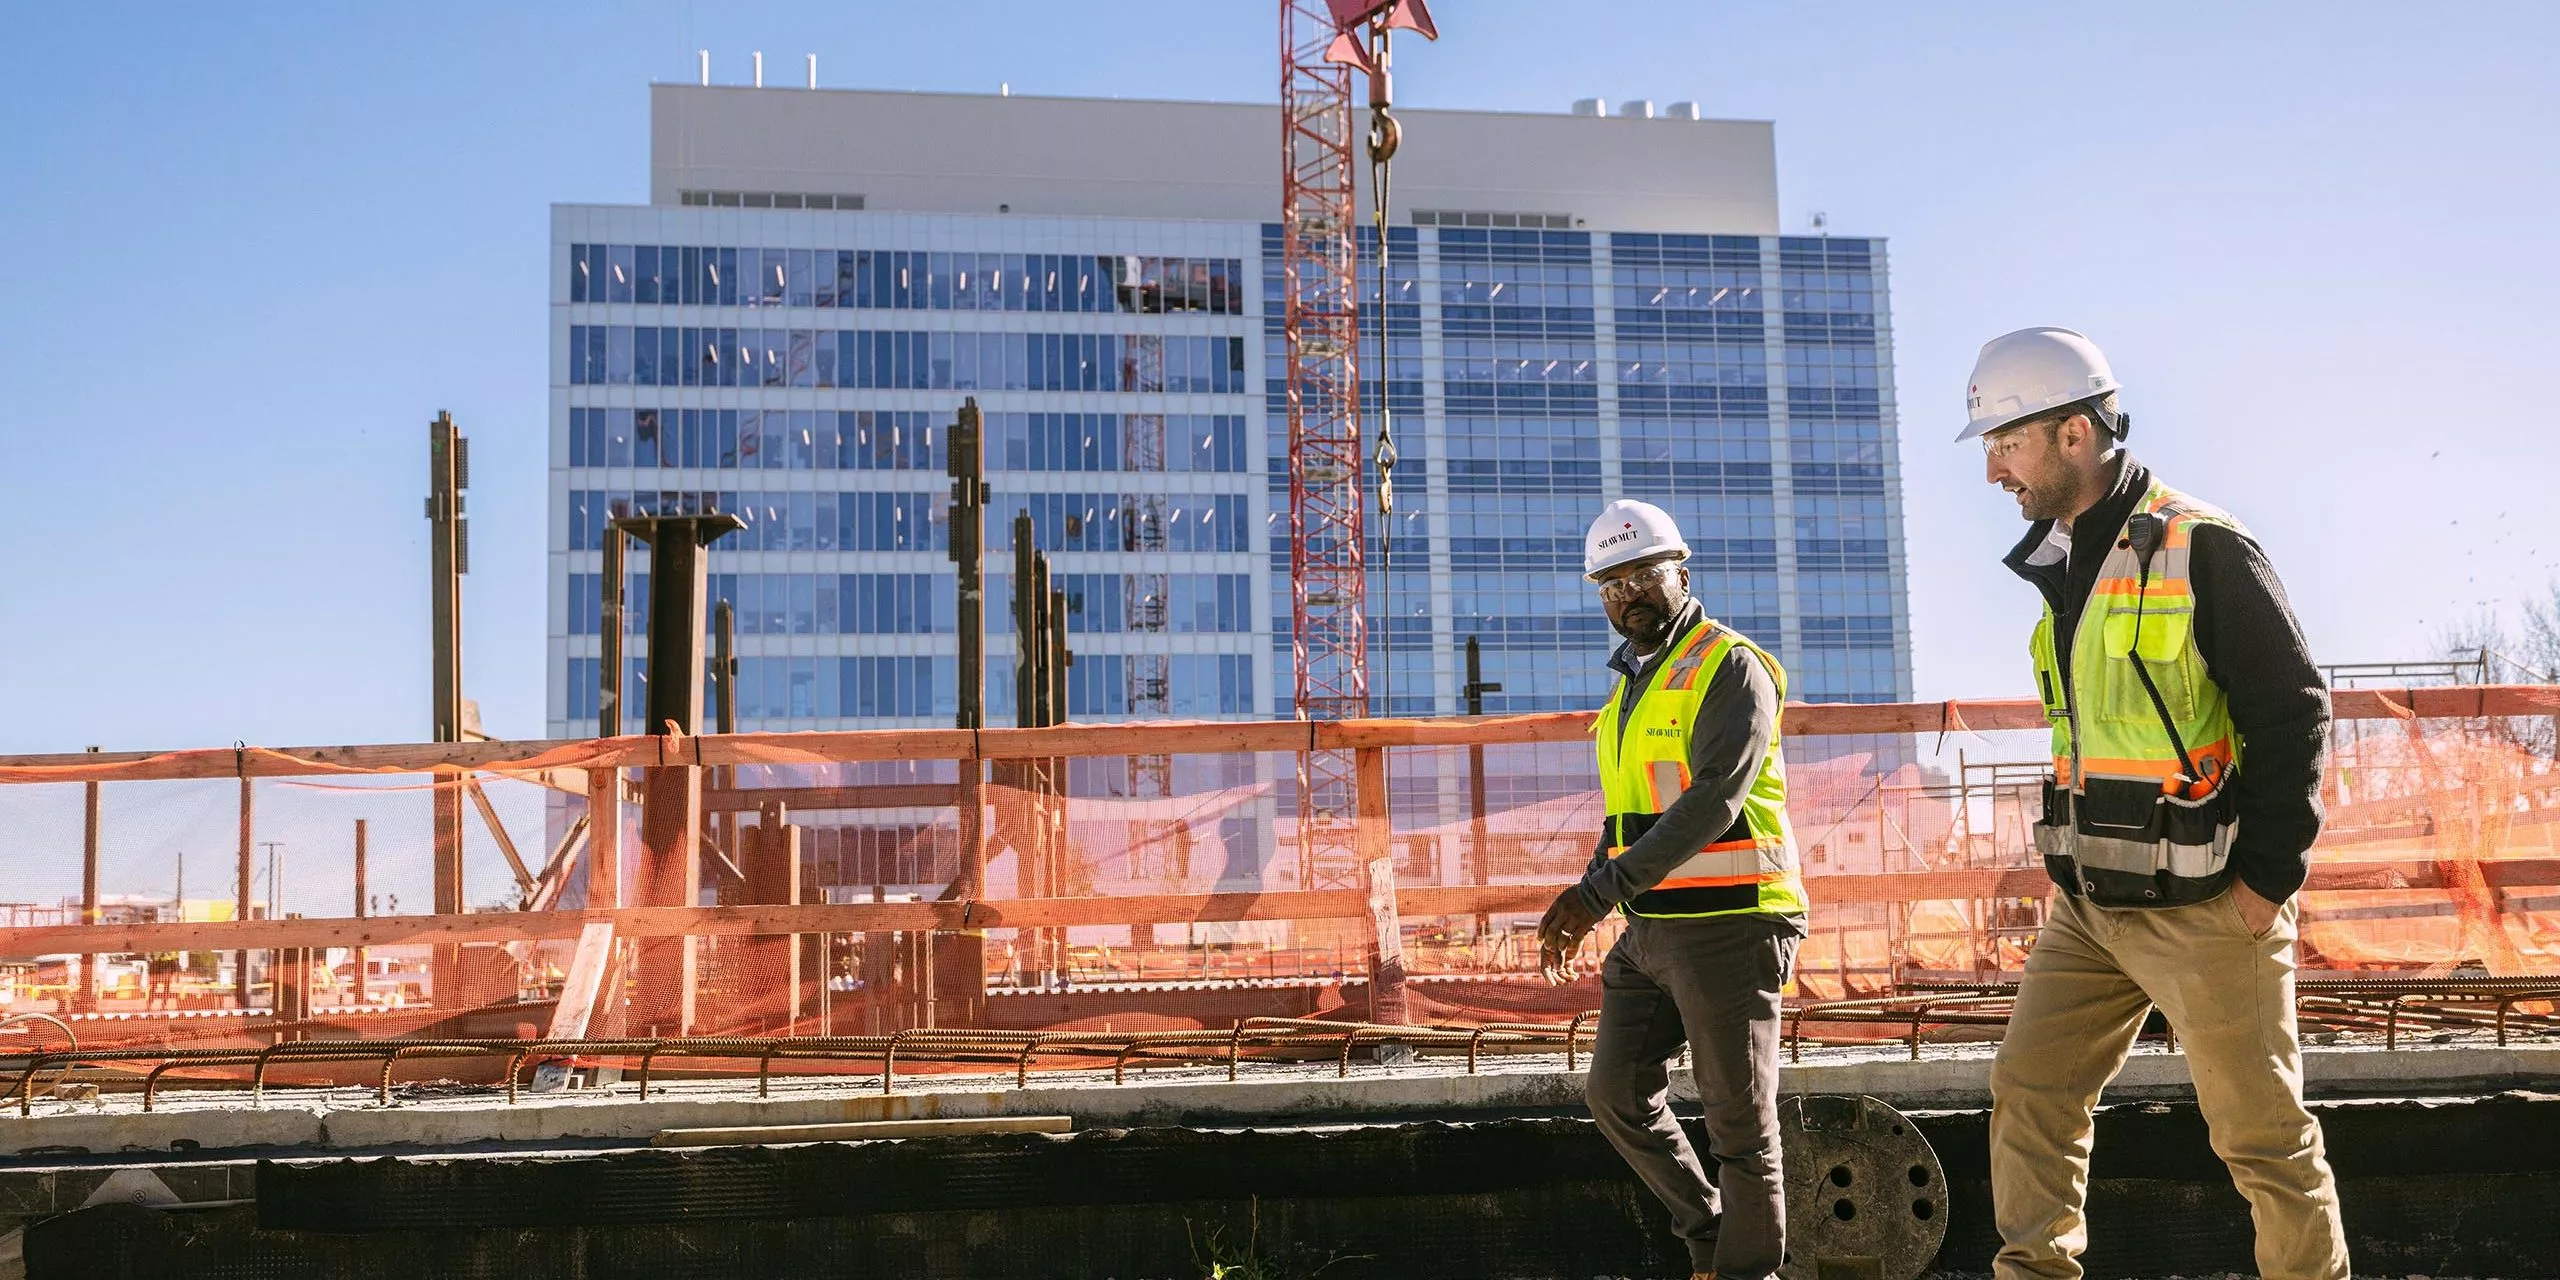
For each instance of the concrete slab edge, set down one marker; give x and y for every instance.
(1949, 1083)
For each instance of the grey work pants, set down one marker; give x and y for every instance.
(1712, 983)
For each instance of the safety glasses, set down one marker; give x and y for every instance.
(1637, 583)
(2006, 442)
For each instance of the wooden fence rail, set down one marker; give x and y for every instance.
(1177, 737)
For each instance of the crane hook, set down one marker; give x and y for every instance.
(1384, 135)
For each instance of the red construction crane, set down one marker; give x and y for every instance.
(1321, 42)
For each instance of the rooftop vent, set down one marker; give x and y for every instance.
(768, 200)
(1455, 218)
(1637, 108)
(1591, 106)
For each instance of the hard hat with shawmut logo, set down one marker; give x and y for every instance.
(1628, 531)
(2022, 374)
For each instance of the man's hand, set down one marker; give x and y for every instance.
(1560, 934)
(2256, 913)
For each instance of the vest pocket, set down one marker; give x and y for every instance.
(2120, 809)
(2135, 809)
(2164, 633)
(2057, 804)
(2196, 822)
(2048, 670)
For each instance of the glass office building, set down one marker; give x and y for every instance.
(788, 328)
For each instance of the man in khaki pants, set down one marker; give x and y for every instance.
(2166, 654)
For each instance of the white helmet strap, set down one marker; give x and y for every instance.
(2118, 424)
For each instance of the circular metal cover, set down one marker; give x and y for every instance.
(1866, 1199)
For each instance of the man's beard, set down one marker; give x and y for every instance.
(1645, 623)
(2056, 499)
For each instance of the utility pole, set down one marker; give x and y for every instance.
(1479, 856)
(275, 879)
(449, 557)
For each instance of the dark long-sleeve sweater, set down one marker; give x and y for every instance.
(2252, 648)
(1727, 740)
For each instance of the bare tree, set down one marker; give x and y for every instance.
(2536, 656)
(2530, 655)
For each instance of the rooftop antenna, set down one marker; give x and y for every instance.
(759, 68)
(813, 71)
(705, 56)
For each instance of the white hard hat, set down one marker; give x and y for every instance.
(2019, 375)
(1628, 530)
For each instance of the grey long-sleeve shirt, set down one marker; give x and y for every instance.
(1727, 740)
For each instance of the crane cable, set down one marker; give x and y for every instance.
(1384, 135)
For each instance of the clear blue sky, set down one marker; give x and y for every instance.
(253, 248)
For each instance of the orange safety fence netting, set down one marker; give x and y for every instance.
(1116, 888)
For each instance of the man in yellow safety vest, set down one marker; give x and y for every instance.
(2188, 727)
(1697, 851)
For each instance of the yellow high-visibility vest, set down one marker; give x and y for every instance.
(1752, 866)
(2139, 828)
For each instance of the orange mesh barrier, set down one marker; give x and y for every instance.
(1118, 877)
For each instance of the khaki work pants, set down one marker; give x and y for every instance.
(2093, 974)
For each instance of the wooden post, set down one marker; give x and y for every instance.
(772, 865)
(444, 966)
(585, 991)
(670, 876)
(604, 837)
(1377, 855)
(923, 986)
(1479, 841)
(293, 989)
(361, 987)
(248, 872)
(85, 997)
(878, 1002)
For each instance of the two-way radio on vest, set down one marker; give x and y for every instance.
(2145, 531)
